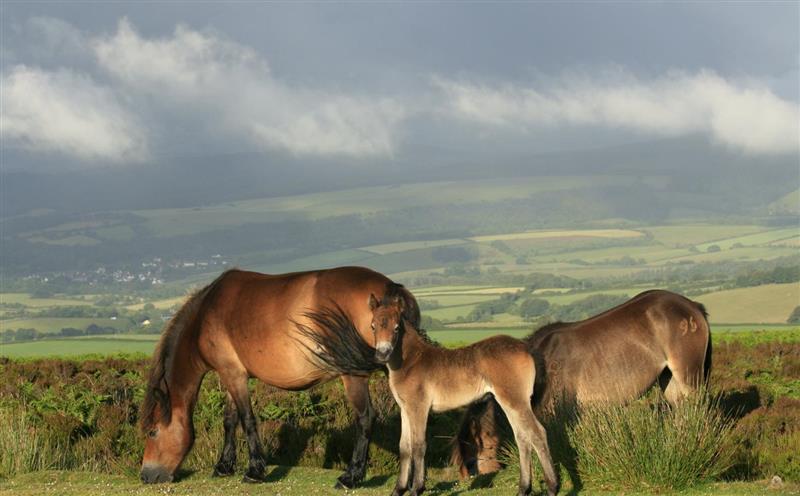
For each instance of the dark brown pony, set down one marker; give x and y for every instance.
(425, 377)
(246, 324)
(616, 356)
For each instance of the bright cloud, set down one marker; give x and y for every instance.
(746, 116)
(232, 86)
(69, 113)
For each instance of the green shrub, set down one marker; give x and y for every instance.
(25, 447)
(648, 445)
(768, 442)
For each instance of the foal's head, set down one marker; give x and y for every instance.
(387, 323)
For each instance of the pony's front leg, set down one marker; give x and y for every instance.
(418, 445)
(227, 460)
(405, 454)
(236, 383)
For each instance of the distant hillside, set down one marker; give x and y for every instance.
(788, 204)
(262, 210)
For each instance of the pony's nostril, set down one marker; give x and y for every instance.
(154, 475)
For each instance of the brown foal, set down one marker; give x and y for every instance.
(425, 377)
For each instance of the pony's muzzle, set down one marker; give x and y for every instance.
(383, 351)
(154, 474)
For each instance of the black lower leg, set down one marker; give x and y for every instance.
(255, 470)
(358, 463)
(227, 460)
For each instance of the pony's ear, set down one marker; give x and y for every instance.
(373, 302)
(400, 302)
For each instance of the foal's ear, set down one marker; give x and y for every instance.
(400, 302)
(373, 302)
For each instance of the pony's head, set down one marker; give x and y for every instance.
(169, 436)
(387, 324)
(165, 423)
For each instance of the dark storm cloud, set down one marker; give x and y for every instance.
(125, 82)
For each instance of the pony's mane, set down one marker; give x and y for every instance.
(157, 393)
(411, 314)
(339, 348)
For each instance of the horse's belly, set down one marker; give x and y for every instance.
(282, 362)
(458, 395)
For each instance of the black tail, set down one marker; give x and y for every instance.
(707, 361)
(339, 347)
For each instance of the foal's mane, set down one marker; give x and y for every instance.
(157, 393)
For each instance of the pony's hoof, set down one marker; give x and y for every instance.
(345, 481)
(223, 471)
(253, 477)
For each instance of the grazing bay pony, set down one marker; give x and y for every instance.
(245, 324)
(424, 377)
(655, 337)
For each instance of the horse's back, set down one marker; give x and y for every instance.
(251, 319)
(618, 354)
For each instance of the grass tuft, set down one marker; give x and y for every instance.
(649, 445)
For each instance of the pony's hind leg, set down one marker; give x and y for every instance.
(227, 460)
(528, 432)
(357, 391)
(236, 384)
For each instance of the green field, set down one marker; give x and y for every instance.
(145, 343)
(694, 234)
(80, 346)
(758, 239)
(49, 325)
(29, 301)
(767, 304)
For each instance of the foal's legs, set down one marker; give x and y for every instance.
(235, 382)
(227, 460)
(413, 425)
(357, 391)
(405, 454)
(418, 445)
(528, 432)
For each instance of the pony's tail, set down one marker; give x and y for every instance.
(337, 345)
(707, 360)
(157, 393)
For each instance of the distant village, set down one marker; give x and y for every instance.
(153, 272)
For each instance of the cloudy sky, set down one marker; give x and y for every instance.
(120, 83)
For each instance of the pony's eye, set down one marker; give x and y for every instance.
(152, 433)
(396, 327)
(372, 325)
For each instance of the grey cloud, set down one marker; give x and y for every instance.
(744, 115)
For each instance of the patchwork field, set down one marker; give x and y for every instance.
(593, 254)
